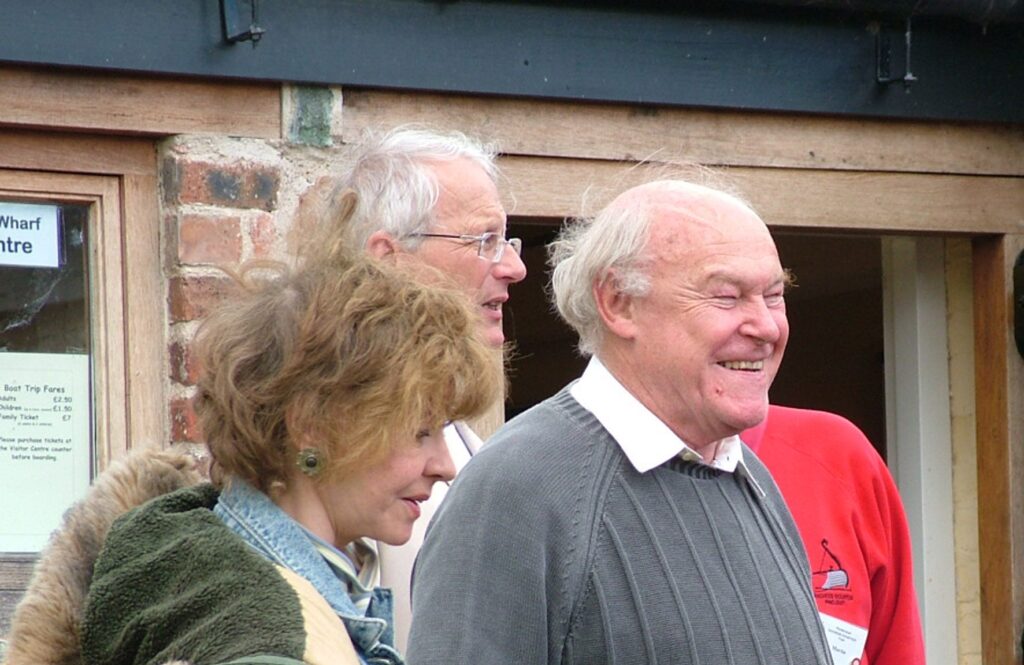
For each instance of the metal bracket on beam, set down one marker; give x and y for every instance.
(884, 56)
(234, 28)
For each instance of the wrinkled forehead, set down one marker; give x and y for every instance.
(468, 200)
(696, 219)
(701, 254)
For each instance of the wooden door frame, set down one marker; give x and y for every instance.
(999, 375)
(807, 172)
(879, 176)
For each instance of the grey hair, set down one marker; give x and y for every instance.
(393, 186)
(612, 245)
(589, 251)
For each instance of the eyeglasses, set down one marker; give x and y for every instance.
(490, 246)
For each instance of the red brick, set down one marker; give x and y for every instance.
(190, 298)
(209, 239)
(237, 185)
(264, 234)
(184, 422)
(184, 364)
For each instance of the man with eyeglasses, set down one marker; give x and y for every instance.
(432, 198)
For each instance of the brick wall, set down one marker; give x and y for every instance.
(224, 201)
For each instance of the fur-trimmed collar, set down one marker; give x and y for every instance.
(45, 627)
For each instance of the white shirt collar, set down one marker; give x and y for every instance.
(645, 440)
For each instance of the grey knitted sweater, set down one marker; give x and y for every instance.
(551, 548)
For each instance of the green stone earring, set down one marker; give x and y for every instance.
(309, 462)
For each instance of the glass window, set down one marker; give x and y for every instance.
(46, 431)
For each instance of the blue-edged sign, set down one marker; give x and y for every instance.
(29, 235)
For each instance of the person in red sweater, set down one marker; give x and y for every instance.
(852, 522)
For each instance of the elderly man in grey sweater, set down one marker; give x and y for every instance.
(622, 520)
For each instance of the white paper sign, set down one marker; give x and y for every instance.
(29, 235)
(45, 449)
(846, 640)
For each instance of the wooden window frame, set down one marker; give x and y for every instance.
(105, 290)
(117, 179)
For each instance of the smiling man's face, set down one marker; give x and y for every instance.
(711, 332)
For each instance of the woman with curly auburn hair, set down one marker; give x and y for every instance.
(323, 394)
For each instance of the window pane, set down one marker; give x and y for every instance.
(45, 405)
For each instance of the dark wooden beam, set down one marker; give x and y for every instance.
(728, 55)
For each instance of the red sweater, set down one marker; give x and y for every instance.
(852, 522)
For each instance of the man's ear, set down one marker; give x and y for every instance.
(382, 244)
(617, 309)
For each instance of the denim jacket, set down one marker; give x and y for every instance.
(271, 532)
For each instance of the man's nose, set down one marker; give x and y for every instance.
(761, 321)
(510, 268)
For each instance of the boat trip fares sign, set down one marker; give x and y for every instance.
(45, 449)
(29, 235)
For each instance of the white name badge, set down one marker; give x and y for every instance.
(846, 640)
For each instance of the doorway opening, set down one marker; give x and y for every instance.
(834, 360)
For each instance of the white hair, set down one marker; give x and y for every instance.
(395, 189)
(612, 246)
(588, 252)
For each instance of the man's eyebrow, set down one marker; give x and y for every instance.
(727, 278)
(719, 276)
